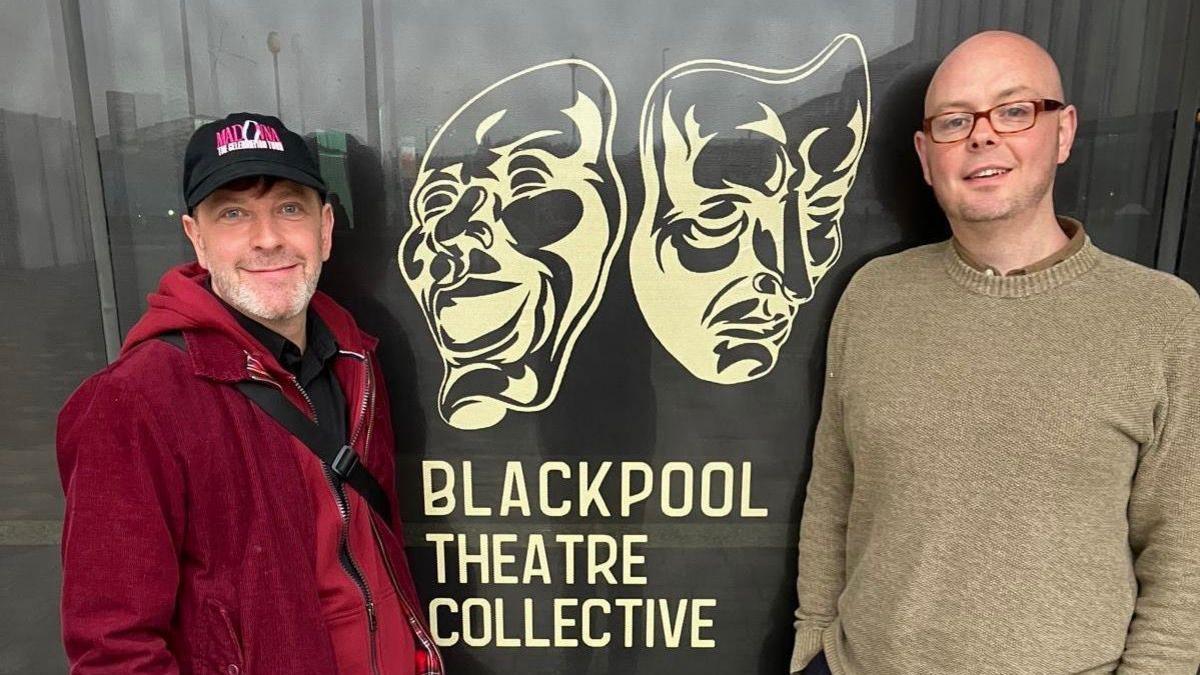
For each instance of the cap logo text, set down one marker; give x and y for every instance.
(249, 135)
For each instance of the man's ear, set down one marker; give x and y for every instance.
(192, 229)
(326, 231)
(919, 143)
(1068, 121)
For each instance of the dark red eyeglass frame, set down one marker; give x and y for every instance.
(1040, 105)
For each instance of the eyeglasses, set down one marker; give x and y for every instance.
(1006, 118)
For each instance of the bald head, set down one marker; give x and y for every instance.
(1018, 64)
(994, 176)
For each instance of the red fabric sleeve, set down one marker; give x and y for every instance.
(122, 531)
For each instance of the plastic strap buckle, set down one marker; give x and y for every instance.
(345, 461)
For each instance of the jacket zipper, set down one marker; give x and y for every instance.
(418, 628)
(345, 557)
(368, 400)
(364, 414)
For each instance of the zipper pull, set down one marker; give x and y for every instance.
(371, 623)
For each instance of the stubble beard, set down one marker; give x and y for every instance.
(247, 300)
(1023, 202)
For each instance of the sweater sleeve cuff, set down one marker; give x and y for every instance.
(808, 644)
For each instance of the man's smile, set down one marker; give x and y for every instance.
(274, 272)
(987, 174)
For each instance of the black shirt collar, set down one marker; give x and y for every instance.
(306, 366)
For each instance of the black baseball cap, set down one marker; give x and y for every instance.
(245, 144)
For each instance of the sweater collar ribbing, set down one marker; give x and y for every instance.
(1019, 286)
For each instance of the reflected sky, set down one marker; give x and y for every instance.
(30, 53)
(430, 53)
(625, 39)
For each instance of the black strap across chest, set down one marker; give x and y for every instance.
(341, 459)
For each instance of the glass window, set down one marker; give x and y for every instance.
(52, 336)
(1189, 256)
(582, 127)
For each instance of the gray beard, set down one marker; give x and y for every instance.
(243, 299)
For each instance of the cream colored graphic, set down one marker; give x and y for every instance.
(517, 211)
(744, 201)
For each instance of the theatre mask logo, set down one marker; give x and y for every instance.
(517, 212)
(743, 209)
(516, 215)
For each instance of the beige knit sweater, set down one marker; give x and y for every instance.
(1006, 474)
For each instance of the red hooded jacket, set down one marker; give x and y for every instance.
(201, 537)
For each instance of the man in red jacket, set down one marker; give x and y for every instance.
(201, 536)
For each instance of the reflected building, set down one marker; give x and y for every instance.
(42, 214)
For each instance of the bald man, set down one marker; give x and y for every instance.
(1006, 472)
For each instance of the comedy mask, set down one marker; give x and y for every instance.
(515, 217)
(746, 172)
